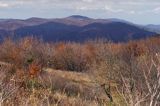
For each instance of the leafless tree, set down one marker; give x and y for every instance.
(146, 91)
(7, 86)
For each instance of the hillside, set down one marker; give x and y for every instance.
(154, 28)
(115, 31)
(94, 73)
(74, 28)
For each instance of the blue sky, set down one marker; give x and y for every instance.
(137, 11)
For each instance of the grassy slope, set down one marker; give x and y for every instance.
(71, 88)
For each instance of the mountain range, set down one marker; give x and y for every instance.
(76, 28)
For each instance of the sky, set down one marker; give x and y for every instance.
(137, 11)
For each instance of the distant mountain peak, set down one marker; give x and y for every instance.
(78, 17)
(35, 18)
(75, 28)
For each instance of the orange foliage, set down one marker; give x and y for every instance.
(34, 69)
(135, 49)
(89, 51)
(26, 43)
(60, 46)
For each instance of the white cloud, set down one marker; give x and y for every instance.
(156, 10)
(132, 12)
(82, 8)
(87, 1)
(13, 3)
(108, 8)
(3, 5)
(113, 6)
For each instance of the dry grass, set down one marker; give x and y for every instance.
(74, 83)
(35, 73)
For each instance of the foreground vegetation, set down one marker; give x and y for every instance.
(36, 73)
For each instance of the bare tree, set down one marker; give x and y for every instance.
(145, 91)
(7, 86)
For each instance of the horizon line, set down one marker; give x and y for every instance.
(23, 19)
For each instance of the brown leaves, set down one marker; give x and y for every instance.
(34, 69)
(135, 49)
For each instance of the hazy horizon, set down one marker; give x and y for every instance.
(136, 11)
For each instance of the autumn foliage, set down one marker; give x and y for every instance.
(121, 66)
